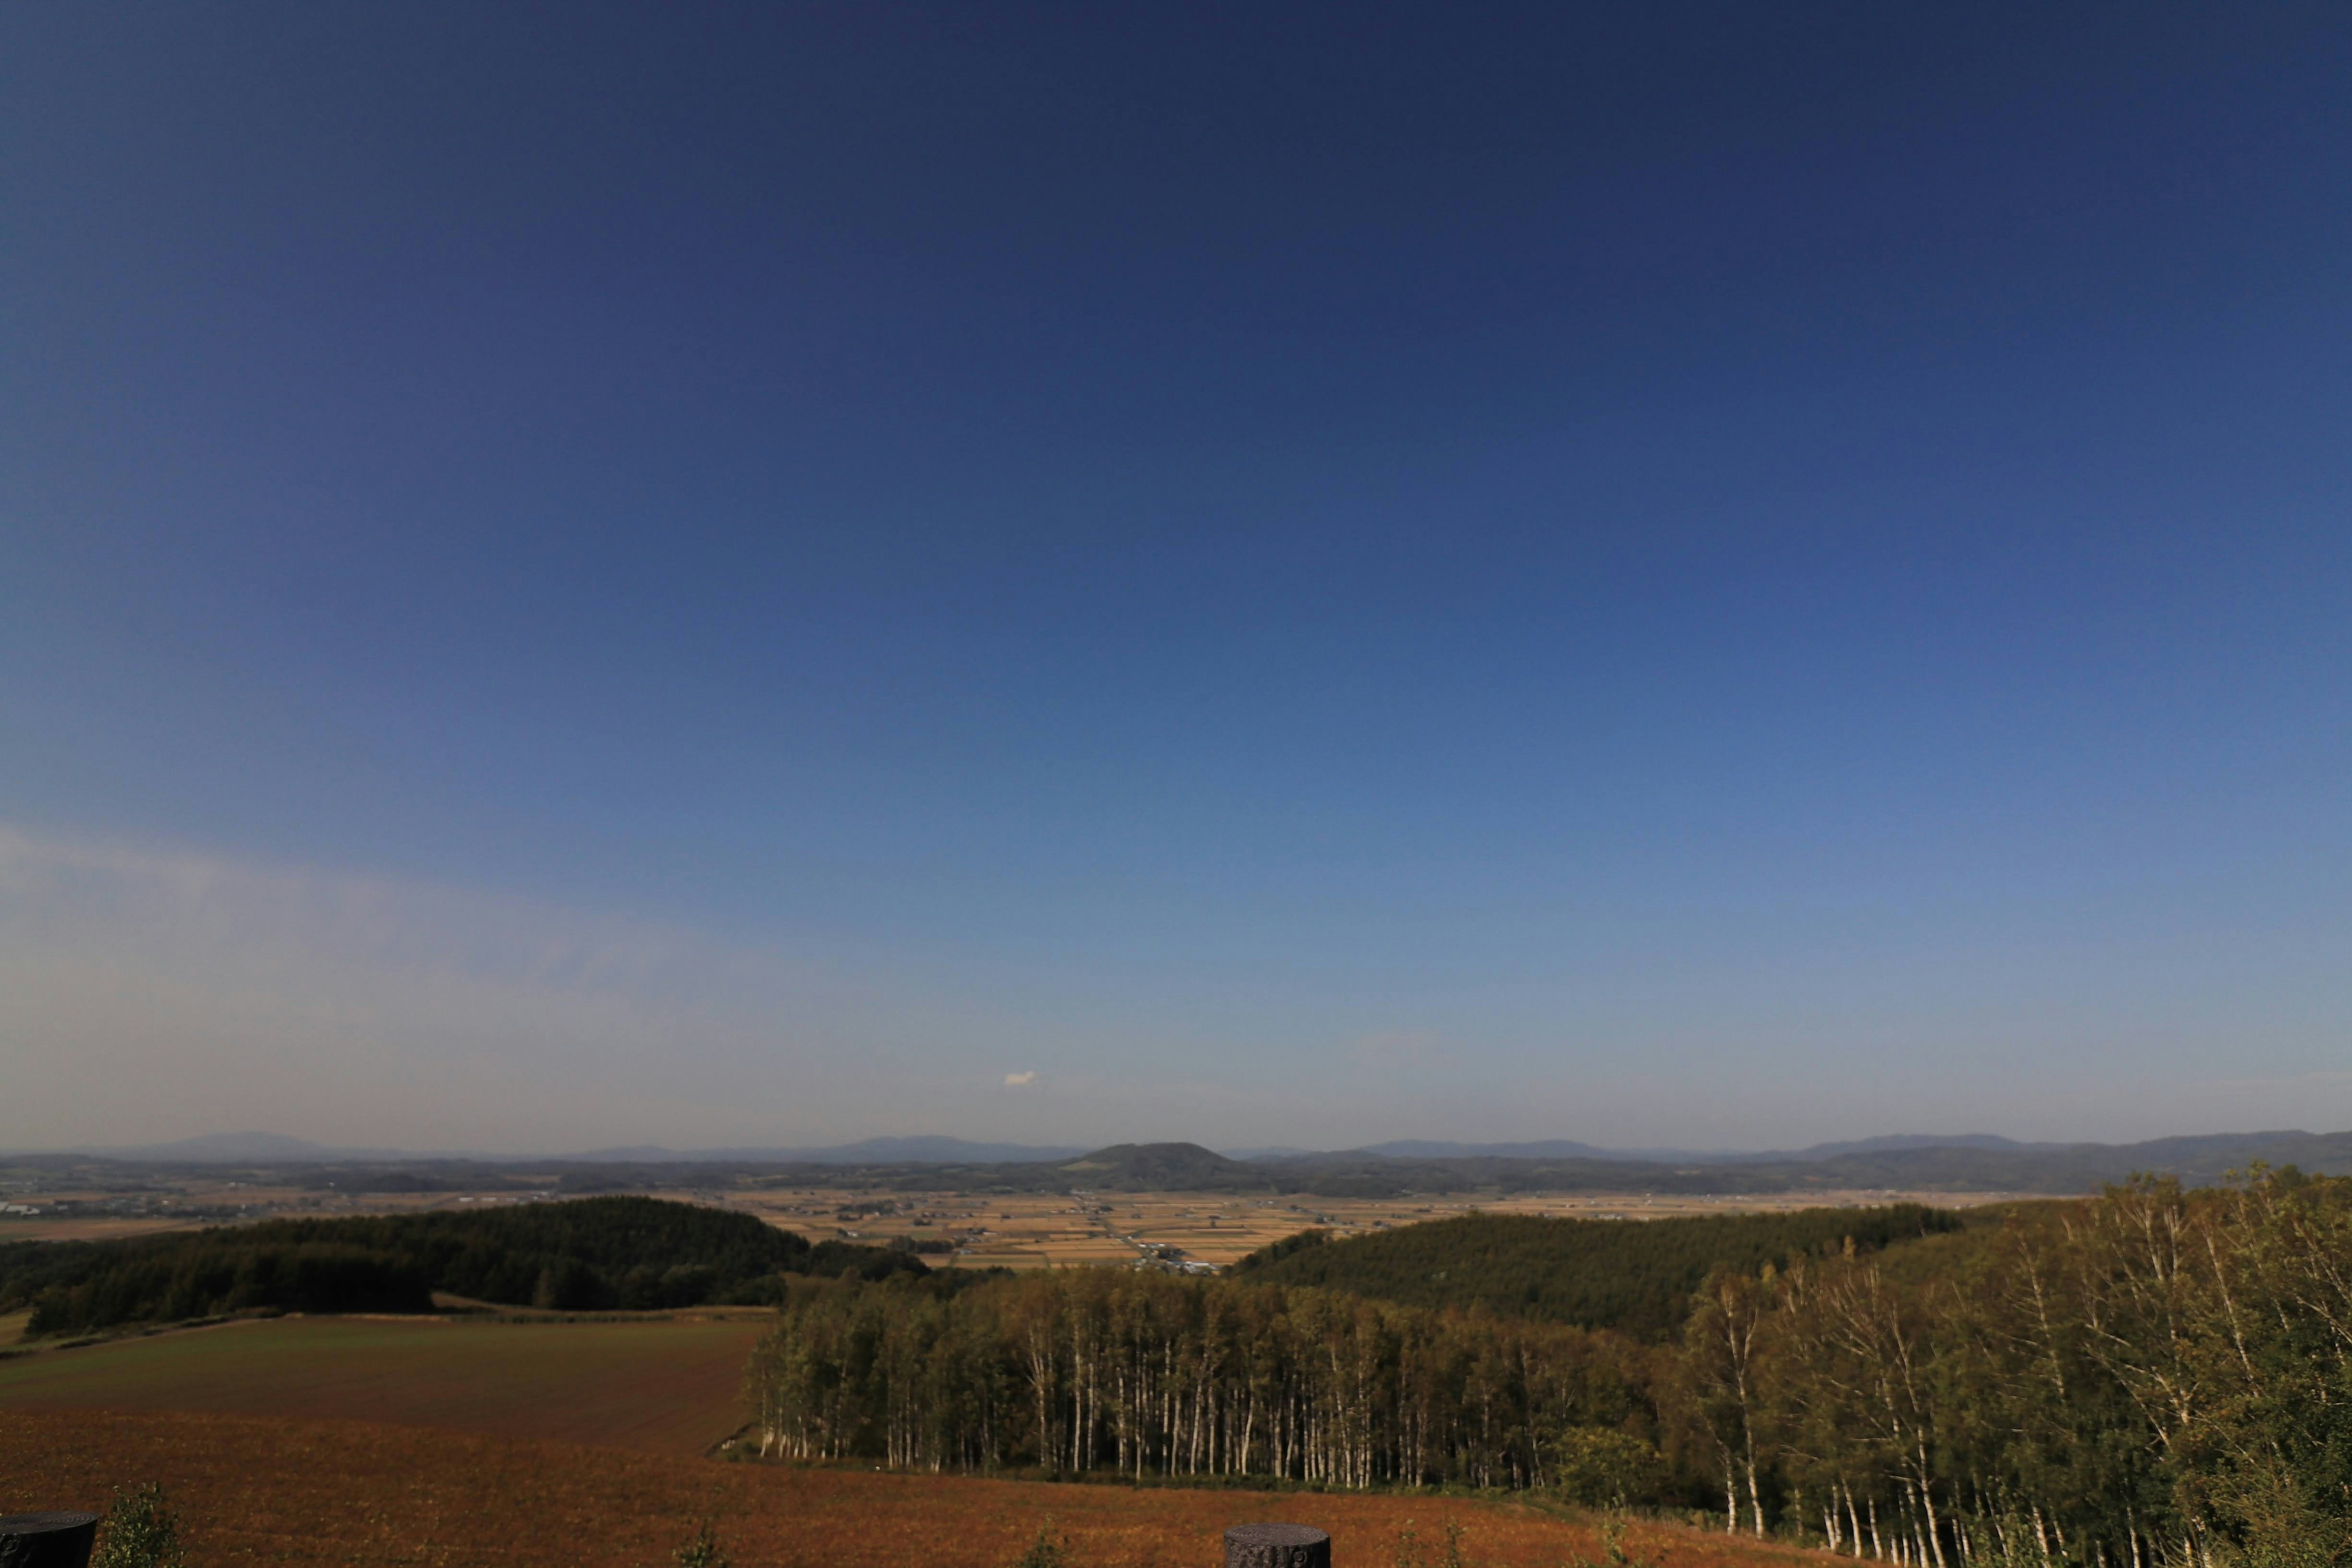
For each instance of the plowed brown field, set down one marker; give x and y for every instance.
(309, 1494)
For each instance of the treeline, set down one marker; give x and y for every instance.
(589, 1253)
(2153, 1377)
(1597, 1274)
(2150, 1378)
(1146, 1373)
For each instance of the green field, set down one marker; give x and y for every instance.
(671, 1385)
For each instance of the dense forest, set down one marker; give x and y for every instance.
(2152, 1377)
(1596, 1274)
(585, 1254)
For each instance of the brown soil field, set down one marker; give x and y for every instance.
(667, 1384)
(315, 1494)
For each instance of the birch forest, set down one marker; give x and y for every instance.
(2151, 1379)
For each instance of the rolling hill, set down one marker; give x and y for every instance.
(1595, 1274)
(587, 1254)
(1161, 1167)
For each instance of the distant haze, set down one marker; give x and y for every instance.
(1962, 1164)
(1728, 577)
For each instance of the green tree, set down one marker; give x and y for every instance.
(1725, 1346)
(139, 1531)
(1050, 1548)
(1602, 1466)
(702, 1550)
(2269, 1333)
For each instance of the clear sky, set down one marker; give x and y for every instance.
(1723, 574)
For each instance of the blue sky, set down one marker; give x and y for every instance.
(1697, 574)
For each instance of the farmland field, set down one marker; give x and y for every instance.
(1033, 1230)
(1012, 1230)
(280, 1493)
(667, 1384)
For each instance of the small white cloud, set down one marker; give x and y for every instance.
(1019, 1080)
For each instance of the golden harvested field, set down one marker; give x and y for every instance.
(318, 1494)
(1050, 1230)
(667, 1385)
(1032, 1230)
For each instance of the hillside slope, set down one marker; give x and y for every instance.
(585, 1254)
(1635, 1276)
(664, 1384)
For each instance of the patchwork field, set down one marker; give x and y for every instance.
(665, 1385)
(1055, 1230)
(1025, 1230)
(260, 1493)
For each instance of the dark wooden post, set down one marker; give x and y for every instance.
(46, 1540)
(1277, 1546)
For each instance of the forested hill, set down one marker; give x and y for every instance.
(1634, 1276)
(1955, 1394)
(586, 1254)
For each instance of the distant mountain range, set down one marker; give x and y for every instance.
(274, 1148)
(1909, 1162)
(1976, 1162)
(866, 1151)
(1568, 1148)
(236, 1149)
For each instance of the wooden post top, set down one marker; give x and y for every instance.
(1277, 1546)
(60, 1540)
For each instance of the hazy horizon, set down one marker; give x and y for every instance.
(278, 1146)
(1723, 578)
